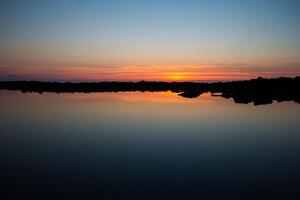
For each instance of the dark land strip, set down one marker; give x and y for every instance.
(259, 91)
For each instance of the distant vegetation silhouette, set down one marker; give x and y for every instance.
(259, 91)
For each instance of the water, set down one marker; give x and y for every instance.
(134, 145)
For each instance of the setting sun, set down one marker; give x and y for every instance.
(177, 77)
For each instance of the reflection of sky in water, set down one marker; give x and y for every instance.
(143, 143)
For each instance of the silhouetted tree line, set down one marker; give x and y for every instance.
(259, 91)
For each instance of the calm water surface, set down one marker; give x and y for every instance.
(134, 145)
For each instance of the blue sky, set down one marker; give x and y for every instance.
(112, 33)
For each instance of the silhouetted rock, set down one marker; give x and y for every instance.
(259, 91)
(191, 93)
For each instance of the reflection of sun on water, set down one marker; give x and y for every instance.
(141, 97)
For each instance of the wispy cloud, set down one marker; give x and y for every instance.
(209, 72)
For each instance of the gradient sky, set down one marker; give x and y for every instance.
(149, 39)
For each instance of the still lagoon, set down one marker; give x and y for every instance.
(146, 145)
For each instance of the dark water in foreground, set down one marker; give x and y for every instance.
(135, 145)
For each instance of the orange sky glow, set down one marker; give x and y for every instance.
(147, 73)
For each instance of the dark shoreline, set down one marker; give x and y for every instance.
(259, 91)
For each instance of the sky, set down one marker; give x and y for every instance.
(131, 40)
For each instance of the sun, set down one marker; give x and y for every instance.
(177, 77)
